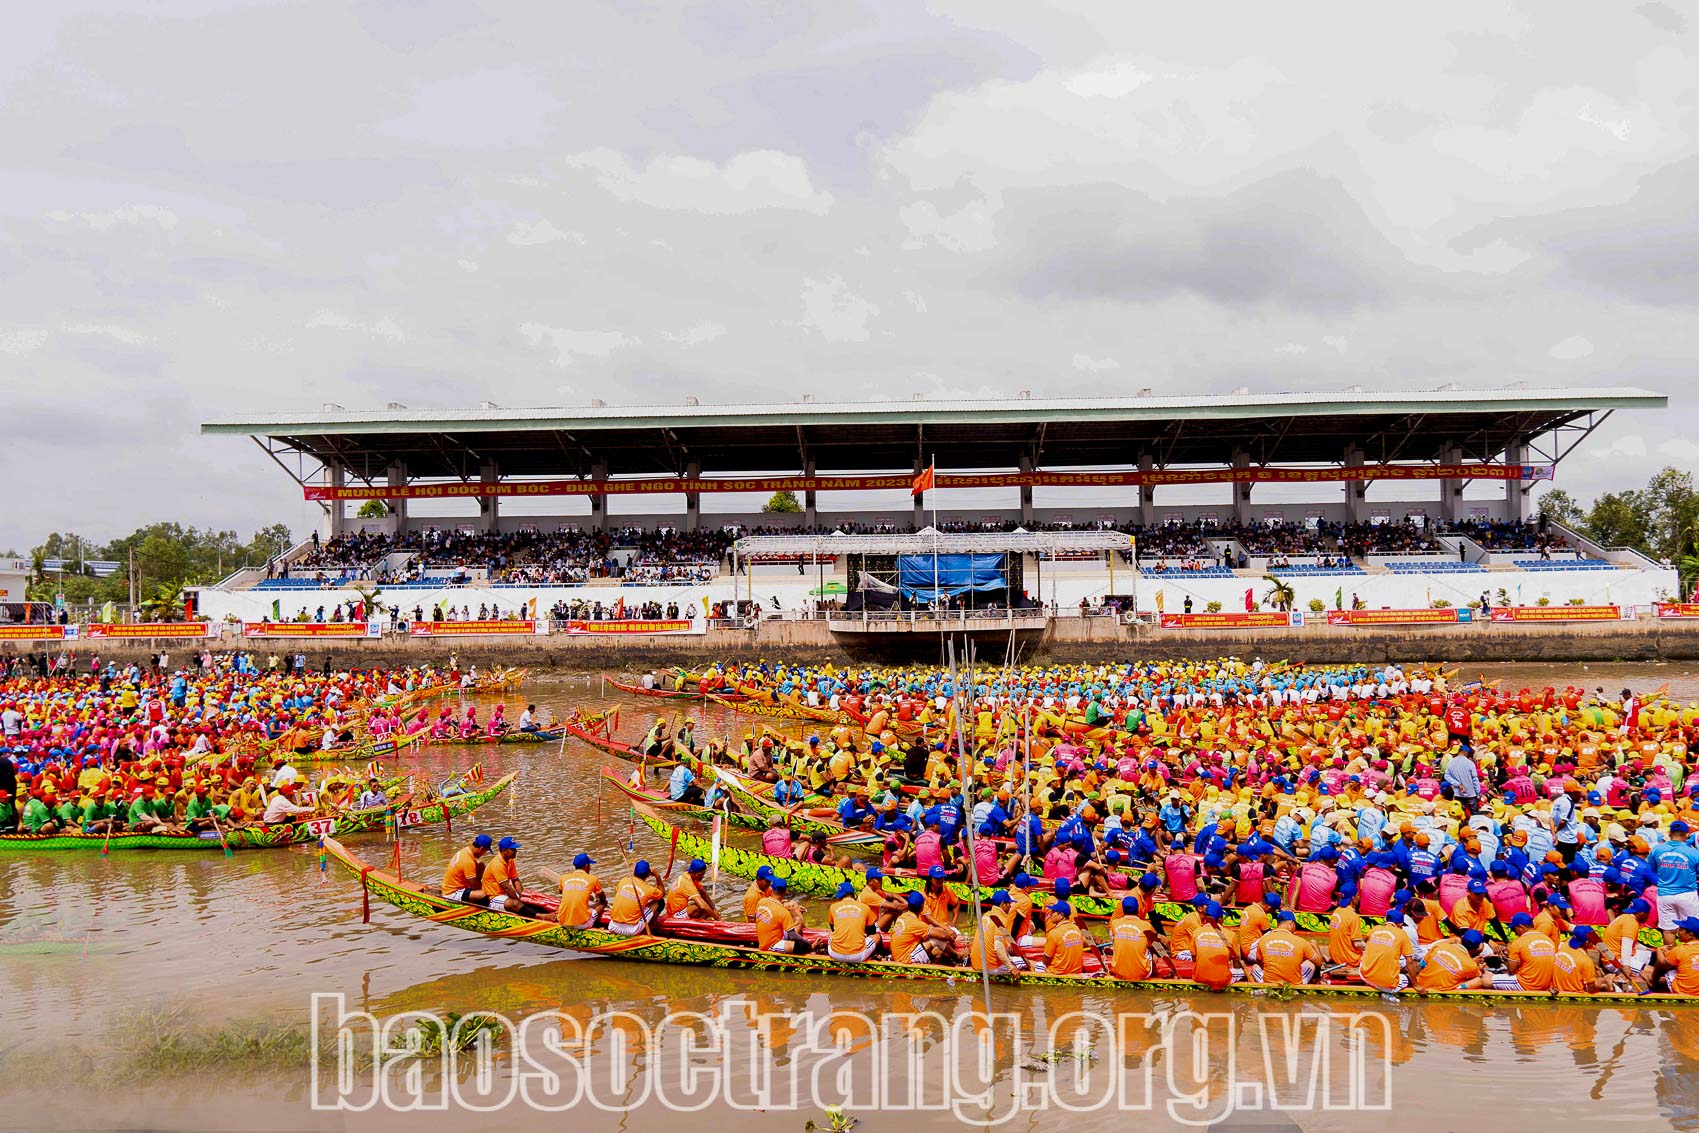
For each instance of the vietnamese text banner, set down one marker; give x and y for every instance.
(1556, 613)
(1678, 609)
(33, 633)
(1265, 619)
(769, 484)
(304, 629)
(151, 629)
(1391, 617)
(470, 629)
(633, 627)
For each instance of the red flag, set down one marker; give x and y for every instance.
(923, 482)
(1250, 601)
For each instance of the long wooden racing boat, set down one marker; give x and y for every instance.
(690, 693)
(657, 801)
(344, 824)
(511, 736)
(725, 945)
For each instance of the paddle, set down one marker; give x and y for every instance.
(221, 839)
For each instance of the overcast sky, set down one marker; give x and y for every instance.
(212, 207)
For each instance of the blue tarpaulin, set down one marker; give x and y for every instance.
(955, 574)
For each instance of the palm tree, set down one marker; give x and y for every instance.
(165, 605)
(1280, 593)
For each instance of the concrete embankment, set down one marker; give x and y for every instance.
(1065, 639)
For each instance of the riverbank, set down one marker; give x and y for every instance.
(1064, 639)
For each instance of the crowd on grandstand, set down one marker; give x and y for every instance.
(1403, 538)
(1513, 535)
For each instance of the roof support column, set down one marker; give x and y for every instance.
(1241, 492)
(1147, 492)
(920, 498)
(1356, 491)
(599, 501)
(1450, 489)
(1026, 493)
(398, 507)
(336, 517)
(489, 507)
(693, 500)
(810, 510)
(1516, 492)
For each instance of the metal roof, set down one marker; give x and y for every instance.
(892, 435)
(934, 542)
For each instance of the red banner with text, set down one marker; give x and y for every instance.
(1678, 609)
(1265, 619)
(582, 628)
(1556, 613)
(903, 482)
(470, 629)
(33, 633)
(150, 629)
(1390, 617)
(304, 629)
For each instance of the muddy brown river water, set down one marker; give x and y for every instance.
(122, 976)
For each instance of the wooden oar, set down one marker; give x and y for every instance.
(221, 839)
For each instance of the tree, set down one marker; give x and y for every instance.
(782, 503)
(1559, 506)
(372, 509)
(1280, 593)
(167, 556)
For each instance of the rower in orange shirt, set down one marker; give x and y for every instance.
(1620, 944)
(581, 897)
(464, 878)
(1281, 956)
(1254, 920)
(1064, 942)
(634, 900)
(1531, 958)
(1212, 950)
(1573, 969)
(914, 941)
(1678, 965)
(1345, 936)
(992, 948)
(761, 887)
(1388, 963)
(1475, 911)
(1453, 965)
(852, 923)
(1182, 932)
(1132, 938)
(687, 898)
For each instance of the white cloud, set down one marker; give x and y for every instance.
(1291, 349)
(831, 308)
(1572, 347)
(21, 341)
(328, 318)
(386, 328)
(1680, 448)
(971, 228)
(1338, 341)
(698, 334)
(1626, 447)
(748, 182)
(1085, 363)
(1116, 81)
(107, 330)
(916, 300)
(540, 232)
(467, 265)
(127, 214)
(572, 344)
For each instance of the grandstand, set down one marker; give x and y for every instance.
(847, 463)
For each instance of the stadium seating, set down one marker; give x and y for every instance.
(1564, 564)
(1438, 566)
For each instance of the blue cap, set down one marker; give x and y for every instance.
(1679, 827)
(1023, 880)
(1149, 881)
(1113, 857)
(1001, 897)
(845, 889)
(1129, 904)
(1063, 887)
(1557, 901)
(1478, 887)
(875, 874)
(482, 841)
(641, 869)
(915, 900)
(1272, 900)
(1471, 938)
(765, 873)
(1213, 909)
(697, 865)
(1580, 936)
(780, 885)
(878, 747)
(1688, 924)
(1639, 907)
(582, 860)
(1062, 908)
(1286, 915)
(1521, 920)
(936, 873)
(508, 844)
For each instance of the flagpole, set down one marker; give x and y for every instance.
(932, 479)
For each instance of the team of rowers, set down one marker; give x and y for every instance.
(133, 750)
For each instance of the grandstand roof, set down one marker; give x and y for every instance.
(891, 435)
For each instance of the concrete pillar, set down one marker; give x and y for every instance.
(920, 500)
(1026, 493)
(1450, 489)
(692, 500)
(599, 502)
(1356, 491)
(1517, 501)
(1147, 492)
(810, 504)
(336, 522)
(398, 508)
(489, 506)
(1241, 492)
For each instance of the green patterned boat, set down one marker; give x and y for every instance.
(422, 902)
(745, 795)
(261, 837)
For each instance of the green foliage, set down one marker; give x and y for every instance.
(372, 509)
(168, 557)
(1213, 608)
(1442, 603)
(1660, 520)
(1280, 593)
(1317, 606)
(782, 503)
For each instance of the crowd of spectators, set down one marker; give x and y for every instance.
(1402, 538)
(1513, 535)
